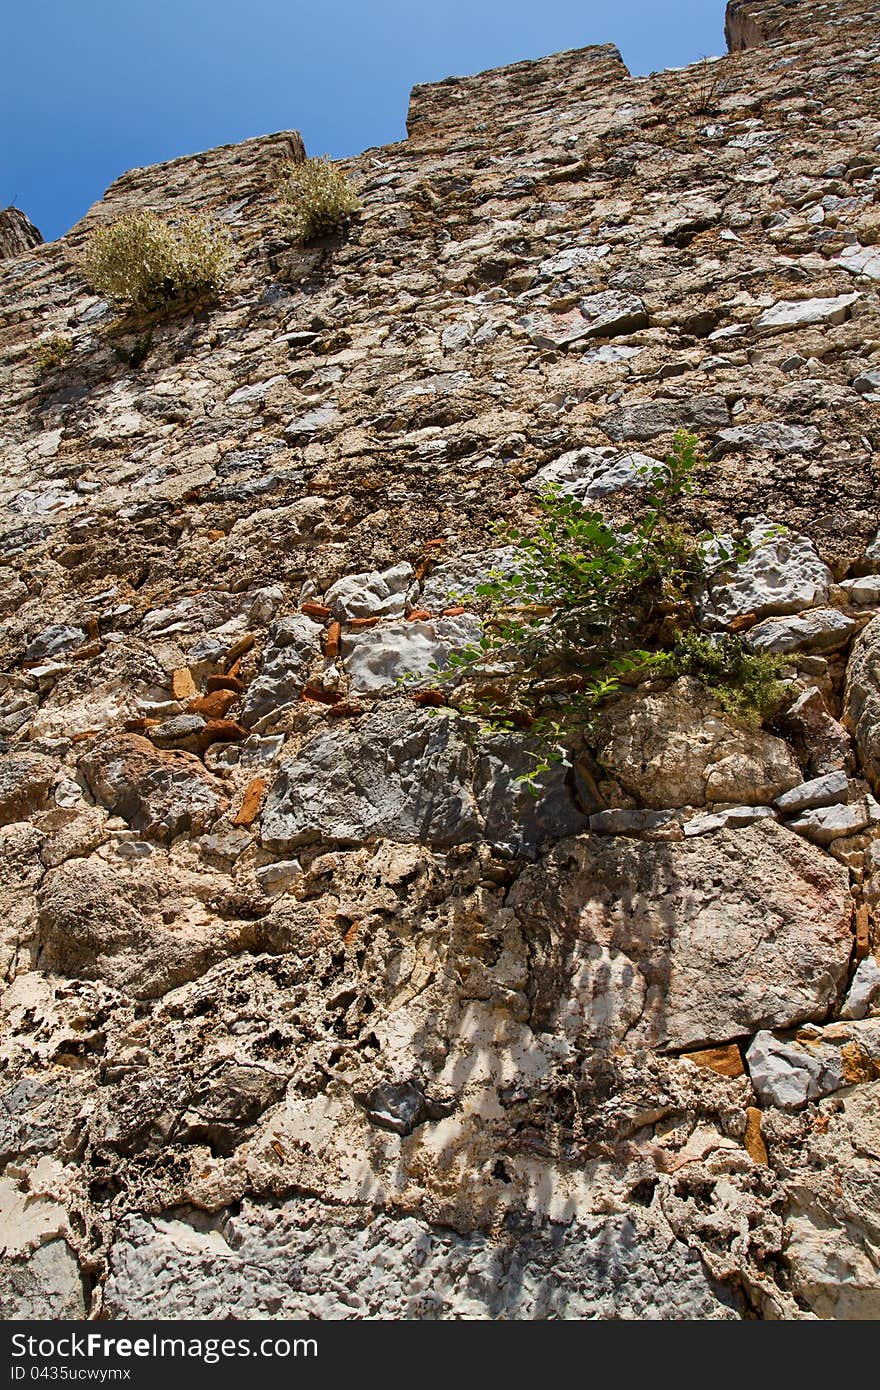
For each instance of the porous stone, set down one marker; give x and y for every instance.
(295, 1261)
(678, 748)
(160, 794)
(781, 574)
(25, 781)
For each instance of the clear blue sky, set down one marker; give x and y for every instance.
(94, 87)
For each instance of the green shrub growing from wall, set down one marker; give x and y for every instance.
(317, 198)
(590, 606)
(149, 264)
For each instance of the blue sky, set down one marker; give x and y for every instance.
(94, 87)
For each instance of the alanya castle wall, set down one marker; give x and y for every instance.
(310, 1007)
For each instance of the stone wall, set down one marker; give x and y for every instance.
(306, 994)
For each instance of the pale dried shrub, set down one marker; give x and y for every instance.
(52, 353)
(317, 198)
(147, 263)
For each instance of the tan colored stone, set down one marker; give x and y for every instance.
(726, 1061)
(753, 1139)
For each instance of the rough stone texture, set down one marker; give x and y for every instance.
(862, 700)
(296, 1262)
(640, 942)
(381, 980)
(417, 778)
(678, 748)
(787, 1075)
(819, 630)
(781, 574)
(161, 794)
(379, 658)
(17, 233)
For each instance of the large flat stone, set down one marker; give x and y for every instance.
(684, 945)
(414, 777)
(678, 748)
(301, 1260)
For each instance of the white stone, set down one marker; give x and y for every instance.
(788, 1075)
(830, 790)
(378, 658)
(817, 630)
(586, 474)
(804, 313)
(861, 260)
(371, 595)
(864, 990)
(782, 574)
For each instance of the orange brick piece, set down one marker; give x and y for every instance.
(183, 687)
(725, 1060)
(315, 610)
(418, 614)
(250, 802)
(754, 1139)
(863, 931)
(331, 646)
(213, 706)
(224, 683)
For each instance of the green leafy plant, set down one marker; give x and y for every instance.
(52, 353)
(317, 198)
(745, 683)
(149, 264)
(590, 606)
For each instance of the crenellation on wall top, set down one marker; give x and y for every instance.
(533, 85)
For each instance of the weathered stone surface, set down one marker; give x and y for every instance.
(788, 1074)
(818, 630)
(829, 790)
(292, 646)
(648, 419)
(415, 777)
(864, 990)
(25, 780)
(293, 1261)
(864, 591)
(378, 658)
(160, 794)
(804, 313)
(17, 233)
(685, 945)
(142, 937)
(861, 260)
(773, 435)
(592, 473)
(678, 748)
(861, 705)
(782, 574)
(412, 1025)
(371, 595)
(826, 824)
(834, 1208)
